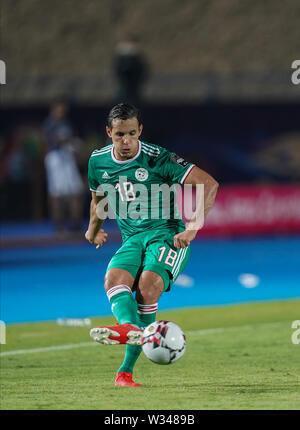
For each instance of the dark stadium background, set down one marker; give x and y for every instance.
(218, 92)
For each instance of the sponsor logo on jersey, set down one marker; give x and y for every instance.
(141, 174)
(105, 176)
(179, 160)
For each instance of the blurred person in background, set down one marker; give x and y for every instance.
(64, 182)
(131, 70)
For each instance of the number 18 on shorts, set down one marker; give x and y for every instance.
(152, 251)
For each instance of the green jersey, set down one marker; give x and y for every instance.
(140, 190)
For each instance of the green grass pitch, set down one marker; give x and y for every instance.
(237, 357)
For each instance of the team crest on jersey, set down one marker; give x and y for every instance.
(179, 160)
(141, 174)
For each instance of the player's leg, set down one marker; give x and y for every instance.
(124, 308)
(162, 265)
(151, 286)
(117, 284)
(119, 279)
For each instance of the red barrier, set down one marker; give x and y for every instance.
(254, 209)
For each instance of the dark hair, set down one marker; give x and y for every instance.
(123, 111)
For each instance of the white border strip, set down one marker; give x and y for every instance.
(150, 148)
(105, 148)
(151, 154)
(177, 260)
(100, 153)
(130, 159)
(186, 173)
(180, 262)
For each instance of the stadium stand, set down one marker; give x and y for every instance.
(196, 50)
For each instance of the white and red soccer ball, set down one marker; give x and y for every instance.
(163, 342)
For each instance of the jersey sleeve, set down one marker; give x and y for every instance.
(93, 182)
(174, 168)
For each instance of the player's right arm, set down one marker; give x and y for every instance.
(95, 234)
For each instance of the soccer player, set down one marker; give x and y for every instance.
(155, 248)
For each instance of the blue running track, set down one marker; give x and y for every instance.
(46, 283)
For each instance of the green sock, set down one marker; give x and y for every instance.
(132, 351)
(131, 355)
(124, 308)
(146, 319)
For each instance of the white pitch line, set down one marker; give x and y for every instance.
(47, 348)
(206, 331)
(87, 344)
(236, 327)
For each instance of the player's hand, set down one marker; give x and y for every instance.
(98, 240)
(183, 239)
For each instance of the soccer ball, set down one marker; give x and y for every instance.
(163, 342)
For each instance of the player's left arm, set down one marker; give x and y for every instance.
(196, 177)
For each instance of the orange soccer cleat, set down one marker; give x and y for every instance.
(124, 379)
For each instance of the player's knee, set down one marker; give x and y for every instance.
(116, 277)
(150, 288)
(148, 295)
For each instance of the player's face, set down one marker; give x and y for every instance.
(125, 135)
